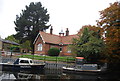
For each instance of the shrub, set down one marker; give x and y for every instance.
(53, 52)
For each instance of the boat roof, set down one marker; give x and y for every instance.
(79, 57)
(24, 59)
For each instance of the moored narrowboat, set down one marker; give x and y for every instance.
(83, 68)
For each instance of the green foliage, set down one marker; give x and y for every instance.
(26, 45)
(88, 45)
(13, 47)
(32, 20)
(53, 52)
(12, 38)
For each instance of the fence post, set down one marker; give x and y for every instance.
(67, 62)
(56, 61)
(33, 55)
(44, 58)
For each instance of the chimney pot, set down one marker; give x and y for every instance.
(51, 30)
(67, 32)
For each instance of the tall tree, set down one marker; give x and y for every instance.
(89, 44)
(110, 23)
(32, 20)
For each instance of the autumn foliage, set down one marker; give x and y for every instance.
(91, 28)
(110, 23)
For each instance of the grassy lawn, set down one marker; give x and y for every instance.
(50, 58)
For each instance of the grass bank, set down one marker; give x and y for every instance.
(50, 58)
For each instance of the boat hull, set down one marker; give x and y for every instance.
(78, 71)
(22, 67)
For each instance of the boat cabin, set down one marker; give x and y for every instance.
(79, 60)
(23, 61)
(80, 64)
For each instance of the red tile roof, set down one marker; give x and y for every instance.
(56, 39)
(68, 39)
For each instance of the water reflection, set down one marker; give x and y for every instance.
(51, 74)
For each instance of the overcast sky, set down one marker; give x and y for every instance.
(72, 14)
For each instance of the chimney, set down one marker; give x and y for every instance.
(61, 33)
(51, 30)
(67, 32)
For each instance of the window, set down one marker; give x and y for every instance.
(31, 61)
(24, 61)
(39, 47)
(68, 50)
(60, 49)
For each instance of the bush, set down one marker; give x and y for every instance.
(53, 52)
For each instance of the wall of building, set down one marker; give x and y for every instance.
(0, 45)
(38, 41)
(65, 51)
(47, 46)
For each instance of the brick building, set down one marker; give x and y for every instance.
(44, 41)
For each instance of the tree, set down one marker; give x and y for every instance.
(13, 47)
(110, 23)
(53, 52)
(89, 44)
(11, 38)
(26, 45)
(32, 20)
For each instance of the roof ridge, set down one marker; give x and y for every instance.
(56, 39)
(58, 35)
(49, 33)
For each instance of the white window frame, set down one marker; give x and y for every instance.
(39, 47)
(68, 50)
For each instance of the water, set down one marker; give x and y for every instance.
(51, 74)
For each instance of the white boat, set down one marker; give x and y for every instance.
(81, 68)
(22, 64)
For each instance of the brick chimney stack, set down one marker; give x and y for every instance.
(67, 32)
(51, 30)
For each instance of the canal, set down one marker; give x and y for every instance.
(52, 71)
(51, 74)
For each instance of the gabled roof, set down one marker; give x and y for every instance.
(50, 38)
(55, 39)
